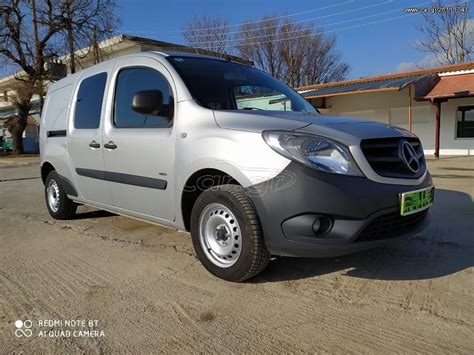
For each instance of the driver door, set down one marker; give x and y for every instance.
(139, 149)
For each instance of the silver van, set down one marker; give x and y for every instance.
(231, 155)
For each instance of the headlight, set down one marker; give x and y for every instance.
(317, 152)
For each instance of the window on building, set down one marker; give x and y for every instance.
(89, 102)
(251, 97)
(129, 82)
(465, 122)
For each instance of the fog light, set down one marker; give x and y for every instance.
(309, 225)
(322, 225)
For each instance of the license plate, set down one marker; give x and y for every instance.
(415, 201)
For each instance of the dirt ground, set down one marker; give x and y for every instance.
(148, 293)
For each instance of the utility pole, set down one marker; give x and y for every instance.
(95, 46)
(38, 53)
(70, 37)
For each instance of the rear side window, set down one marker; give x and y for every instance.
(89, 102)
(129, 82)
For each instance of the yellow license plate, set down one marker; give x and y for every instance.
(416, 201)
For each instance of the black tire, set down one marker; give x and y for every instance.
(254, 256)
(66, 208)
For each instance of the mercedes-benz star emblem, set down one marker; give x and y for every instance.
(408, 156)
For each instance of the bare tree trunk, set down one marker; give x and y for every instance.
(17, 135)
(72, 57)
(18, 129)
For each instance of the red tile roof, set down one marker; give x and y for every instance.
(449, 86)
(406, 74)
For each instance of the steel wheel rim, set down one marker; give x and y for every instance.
(220, 235)
(53, 195)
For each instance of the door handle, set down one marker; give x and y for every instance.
(94, 144)
(110, 145)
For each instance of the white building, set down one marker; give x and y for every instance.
(436, 104)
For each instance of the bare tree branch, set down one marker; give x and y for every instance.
(447, 34)
(32, 34)
(84, 23)
(292, 52)
(209, 33)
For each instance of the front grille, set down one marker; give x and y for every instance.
(390, 226)
(383, 155)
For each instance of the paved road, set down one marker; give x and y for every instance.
(148, 292)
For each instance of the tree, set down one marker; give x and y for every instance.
(326, 63)
(209, 33)
(28, 28)
(295, 53)
(21, 99)
(447, 34)
(258, 42)
(32, 35)
(83, 24)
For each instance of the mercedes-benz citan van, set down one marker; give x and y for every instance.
(231, 155)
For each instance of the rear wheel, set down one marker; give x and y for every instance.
(59, 205)
(227, 235)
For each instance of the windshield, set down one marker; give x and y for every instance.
(221, 85)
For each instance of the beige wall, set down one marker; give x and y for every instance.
(391, 107)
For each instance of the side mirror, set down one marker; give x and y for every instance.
(148, 102)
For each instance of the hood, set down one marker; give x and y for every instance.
(348, 130)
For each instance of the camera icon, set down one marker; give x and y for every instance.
(23, 328)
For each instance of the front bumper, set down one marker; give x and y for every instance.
(363, 213)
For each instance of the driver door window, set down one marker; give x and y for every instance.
(129, 82)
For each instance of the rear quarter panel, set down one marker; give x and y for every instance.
(55, 117)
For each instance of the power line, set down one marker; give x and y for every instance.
(246, 39)
(329, 31)
(283, 16)
(239, 24)
(341, 29)
(305, 20)
(330, 24)
(335, 30)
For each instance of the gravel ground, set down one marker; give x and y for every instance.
(144, 290)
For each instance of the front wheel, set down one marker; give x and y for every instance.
(227, 235)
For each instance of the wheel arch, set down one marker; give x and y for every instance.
(46, 168)
(196, 184)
